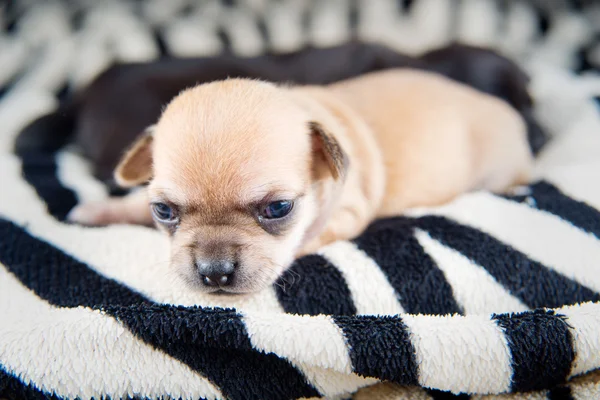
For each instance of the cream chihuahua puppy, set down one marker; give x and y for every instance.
(246, 175)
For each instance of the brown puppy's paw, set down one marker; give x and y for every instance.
(94, 214)
(130, 209)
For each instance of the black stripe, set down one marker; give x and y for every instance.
(7, 87)
(535, 284)
(354, 20)
(186, 11)
(541, 347)
(12, 388)
(161, 44)
(537, 137)
(57, 277)
(213, 342)
(440, 395)
(223, 35)
(380, 347)
(543, 21)
(216, 343)
(314, 286)
(263, 30)
(63, 93)
(406, 6)
(11, 15)
(560, 393)
(582, 60)
(48, 133)
(40, 170)
(420, 285)
(547, 197)
(576, 6)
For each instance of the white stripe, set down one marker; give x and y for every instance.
(13, 57)
(77, 352)
(293, 337)
(335, 385)
(364, 278)
(577, 145)
(17, 109)
(478, 22)
(377, 21)
(74, 172)
(315, 345)
(131, 38)
(585, 321)
(519, 31)
(160, 12)
(44, 24)
(51, 71)
(283, 21)
(392, 391)
(578, 189)
(193, 36)
(428, 26)
(540, 235)
(135, 255)
(541, 395)
(460, 354)
(330, 23)
(92, 57)
(243, 31)
(473, 287)
(567, 33)
(586, 389)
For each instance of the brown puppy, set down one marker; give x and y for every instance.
(245, 175)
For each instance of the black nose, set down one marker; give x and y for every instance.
(216, 273)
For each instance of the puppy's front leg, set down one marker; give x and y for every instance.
(347, 223)
(130, 209)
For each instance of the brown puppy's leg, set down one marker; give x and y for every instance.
(130, 209)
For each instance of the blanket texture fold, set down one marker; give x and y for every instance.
(490, 296)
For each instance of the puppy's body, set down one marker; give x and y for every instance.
(342, 154)
(438, 138)
(420, 140)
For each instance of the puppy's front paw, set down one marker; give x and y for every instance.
(91, 214)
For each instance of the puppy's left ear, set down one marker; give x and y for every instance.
(328, 152)
(135, 167)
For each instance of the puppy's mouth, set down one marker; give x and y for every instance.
(222, 292)
(228, 290)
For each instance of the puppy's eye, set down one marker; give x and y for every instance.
(164, 213)
(277, 209)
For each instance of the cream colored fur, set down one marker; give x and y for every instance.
(346, 154)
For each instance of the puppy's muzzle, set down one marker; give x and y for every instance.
(216, 273)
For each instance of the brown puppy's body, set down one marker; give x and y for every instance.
(224, 152)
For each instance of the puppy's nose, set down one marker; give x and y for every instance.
(216, 273)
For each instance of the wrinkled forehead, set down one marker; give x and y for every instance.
(228, 152)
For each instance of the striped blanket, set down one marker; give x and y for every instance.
(489, 294)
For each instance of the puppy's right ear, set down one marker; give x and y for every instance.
(327, 148)
(135, 168)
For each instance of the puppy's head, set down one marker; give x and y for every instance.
(234, 170)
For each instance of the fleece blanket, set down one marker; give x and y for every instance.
(490, 296)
